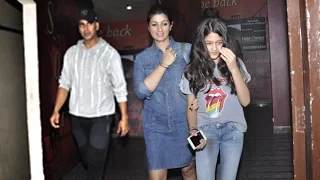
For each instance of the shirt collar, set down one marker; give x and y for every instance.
(100, 42)
(171, 44)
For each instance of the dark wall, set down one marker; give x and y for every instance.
(57, 30)
(278, 32)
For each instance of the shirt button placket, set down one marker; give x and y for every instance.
(170, 122)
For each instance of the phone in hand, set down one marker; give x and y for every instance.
(194, 141)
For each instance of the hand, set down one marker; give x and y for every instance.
(123, 127)
(169, 56)
(54, 120)
(203, 142)
(194, 105)
(230, 58)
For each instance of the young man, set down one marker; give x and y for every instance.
(92, 72)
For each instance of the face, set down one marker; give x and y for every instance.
(159, 27)
(88, 30)
(214, 44)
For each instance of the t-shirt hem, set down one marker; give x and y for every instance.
(90, 115)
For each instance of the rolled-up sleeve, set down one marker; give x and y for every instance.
(184, 86)
(139, 76)
(244, 72)
(65, 77)
(117, 77)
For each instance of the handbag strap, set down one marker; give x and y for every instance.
(183, 49)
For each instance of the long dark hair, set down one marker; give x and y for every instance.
(200, 70)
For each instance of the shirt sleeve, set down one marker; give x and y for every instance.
(65, 77)
(184, 86)
(243, 70)
(139, 75)
(117, 77)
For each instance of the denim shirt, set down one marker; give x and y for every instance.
(165, 104)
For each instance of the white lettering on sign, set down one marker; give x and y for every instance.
(253, 38)
(50, 27)
(218, 3)
(119, 32)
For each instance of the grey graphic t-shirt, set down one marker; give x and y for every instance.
(218, 105)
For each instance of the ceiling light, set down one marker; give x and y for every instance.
(129, 7)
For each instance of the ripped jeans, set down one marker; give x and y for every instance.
(93, 137)
(226, 139)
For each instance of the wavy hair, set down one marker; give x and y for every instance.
(200, 70)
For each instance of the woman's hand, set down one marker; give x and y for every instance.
(243, 92)
(169, 56)
(230, 58)
(194, 105)
(203, 142)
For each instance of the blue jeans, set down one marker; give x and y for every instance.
(93, 137)
(226, 139)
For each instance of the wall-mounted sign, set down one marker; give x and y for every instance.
(127, 35)
(252, 32)
(218, 3)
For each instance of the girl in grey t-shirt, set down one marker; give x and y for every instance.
(217, 78)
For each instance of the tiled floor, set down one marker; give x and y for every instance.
(265, 155)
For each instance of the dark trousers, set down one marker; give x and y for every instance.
(93, 138)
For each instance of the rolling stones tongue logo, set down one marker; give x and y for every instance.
(214, 102)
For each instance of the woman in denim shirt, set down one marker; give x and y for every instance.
(157, 73)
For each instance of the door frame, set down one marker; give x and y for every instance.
(304, 50)
(30, 40)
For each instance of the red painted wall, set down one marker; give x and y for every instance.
(126, 35)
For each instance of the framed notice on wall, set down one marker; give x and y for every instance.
(252, 33)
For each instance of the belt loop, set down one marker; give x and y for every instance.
(218, 125)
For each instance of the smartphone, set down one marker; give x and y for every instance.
(194, 141)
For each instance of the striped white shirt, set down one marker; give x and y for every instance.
(93, 77)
